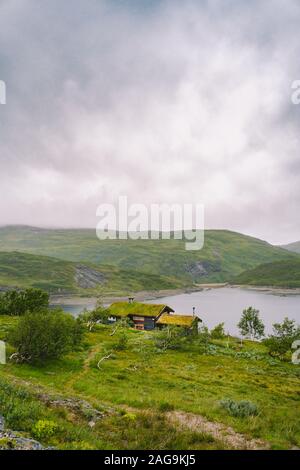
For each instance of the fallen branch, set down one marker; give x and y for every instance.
(103, 359)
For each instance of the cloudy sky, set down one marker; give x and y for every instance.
(162, 101)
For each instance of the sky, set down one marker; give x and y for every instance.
(161, 101)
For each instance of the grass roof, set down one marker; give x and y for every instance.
(186, 321)
(123, 309)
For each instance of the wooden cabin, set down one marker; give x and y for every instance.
(144, 316)
(148, 316)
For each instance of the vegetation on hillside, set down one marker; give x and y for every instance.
(295, 247)
(224, 255)
(285, 273)
(129, 389)
(23, 270)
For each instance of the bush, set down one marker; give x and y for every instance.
(122, 342)
(165, 406)
(96, 316)
(44, 429)
(204, 338)
(171, 337)
(16, 303)
(239, 409)
(44, 335)
(218, 332)
(284, 334)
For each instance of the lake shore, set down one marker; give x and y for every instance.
(269, 289)
(149, 295)
(107, 299)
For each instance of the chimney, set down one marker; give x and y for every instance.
(194, 311)
(130, 300)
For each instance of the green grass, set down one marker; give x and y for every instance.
(279, 274)
(143, 384)
(225, 254)
(23, 270)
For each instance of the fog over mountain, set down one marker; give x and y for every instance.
(162, 101)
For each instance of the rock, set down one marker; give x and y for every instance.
(2, 423)
(86, 277)
(10, 440)
(78, 406)
(199, 269)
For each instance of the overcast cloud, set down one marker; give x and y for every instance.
(163, 101)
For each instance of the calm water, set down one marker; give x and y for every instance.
(226, 304)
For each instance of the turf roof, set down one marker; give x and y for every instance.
(186, 321)
(123, 309)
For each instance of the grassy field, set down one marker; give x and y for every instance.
(279, 274)
(23, 270)
(225, 254)
(142, 391)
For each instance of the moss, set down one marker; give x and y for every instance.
(186, 321)
(123, 309)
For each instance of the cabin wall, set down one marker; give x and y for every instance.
(143, 323)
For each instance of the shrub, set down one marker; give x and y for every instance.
(165, 406)
(218, 332)
(204, 338)
(44, 335)
(44, 429)
(122, 342)
(239, 409)
(96, 316)
(16, 303)
(171, 337)
(284, 334)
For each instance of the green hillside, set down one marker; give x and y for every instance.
(279, 274)
(295, 247)
(54, 275)
(225, 254)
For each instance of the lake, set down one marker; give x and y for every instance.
(225, 304)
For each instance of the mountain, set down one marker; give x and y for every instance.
(225, 254)
(58, 276)
(278, 274)
(295, 247)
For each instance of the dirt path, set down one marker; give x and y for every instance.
(218, 431)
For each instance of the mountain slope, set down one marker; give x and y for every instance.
(278, 274)
(294, 247)
(54, 275)
(225, 254)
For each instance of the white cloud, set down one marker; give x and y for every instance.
(185, 101)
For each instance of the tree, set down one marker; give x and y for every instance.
(98, 315)
(16, 303)
(204, 338)
(250, 325)
(43, 335)
(218, 332)
(284, 334)
(170, 337)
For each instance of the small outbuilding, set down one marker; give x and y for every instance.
(190, 322)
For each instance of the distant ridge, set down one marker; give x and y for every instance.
(285, 273)
(22, 270)
(225, 254)
(294, 247)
